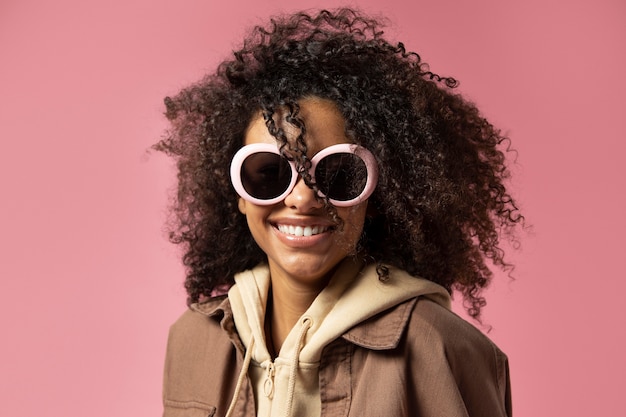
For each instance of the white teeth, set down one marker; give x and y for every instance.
(301, 231)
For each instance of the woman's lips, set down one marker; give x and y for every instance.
(297, 230)
(302, 234)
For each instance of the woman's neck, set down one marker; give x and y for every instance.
(286, 304)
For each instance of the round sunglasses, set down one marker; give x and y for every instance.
(345, 173)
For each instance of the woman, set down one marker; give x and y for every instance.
(333, 192)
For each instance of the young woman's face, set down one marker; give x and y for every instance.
(301, 241)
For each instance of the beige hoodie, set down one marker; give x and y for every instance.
(289, 385)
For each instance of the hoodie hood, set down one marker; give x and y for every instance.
(289, 384)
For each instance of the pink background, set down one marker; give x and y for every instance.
(89, 283)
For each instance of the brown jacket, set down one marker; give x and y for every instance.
(416, 359)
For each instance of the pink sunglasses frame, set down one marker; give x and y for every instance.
(361, 152)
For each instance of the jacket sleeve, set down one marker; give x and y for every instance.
(199, 364)
(472, 370)
(182, 382)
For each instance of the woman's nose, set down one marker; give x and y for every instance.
(302, 198)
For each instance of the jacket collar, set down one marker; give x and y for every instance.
(380, 332)
(384, 330)
(217, 307)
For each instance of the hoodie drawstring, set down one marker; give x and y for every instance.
(242, 375)
(306, 325)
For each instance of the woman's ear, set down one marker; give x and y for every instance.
(242, 205)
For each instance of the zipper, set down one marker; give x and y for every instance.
(268, 385)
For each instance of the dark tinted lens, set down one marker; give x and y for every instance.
(265, 175)
(341, 176)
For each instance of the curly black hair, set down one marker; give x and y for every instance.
(441, 204)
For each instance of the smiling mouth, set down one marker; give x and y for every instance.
(302, 230)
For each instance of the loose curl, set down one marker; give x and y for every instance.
(440, 206)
